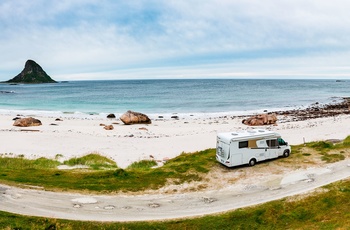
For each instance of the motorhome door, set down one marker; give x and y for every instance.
(273, 148)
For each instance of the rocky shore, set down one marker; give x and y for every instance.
(317, 111)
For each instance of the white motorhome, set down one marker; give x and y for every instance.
(249, 147)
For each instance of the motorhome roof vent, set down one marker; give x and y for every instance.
(251, 131)
(261, 130)
(234, 134)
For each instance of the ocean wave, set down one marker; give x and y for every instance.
(153, 116)
(5, 91)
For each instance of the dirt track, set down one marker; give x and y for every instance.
(159, 207)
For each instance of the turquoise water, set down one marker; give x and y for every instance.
(169, 96)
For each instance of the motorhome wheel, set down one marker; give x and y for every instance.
(252, 162)
(286, 153)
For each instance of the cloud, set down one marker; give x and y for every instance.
(121, 39)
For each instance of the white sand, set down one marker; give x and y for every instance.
(75, 137)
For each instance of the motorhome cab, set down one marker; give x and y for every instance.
(249, 147)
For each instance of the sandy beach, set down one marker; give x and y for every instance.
(163, 139)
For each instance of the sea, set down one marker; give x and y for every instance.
(183, 97)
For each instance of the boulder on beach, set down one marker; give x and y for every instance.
(109, 127)
(27, 122)
(131, 117)
(111, 115)
(261, 119)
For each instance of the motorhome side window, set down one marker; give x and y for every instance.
(272, 143)
(243, 144)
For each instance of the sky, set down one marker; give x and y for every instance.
(154, 39)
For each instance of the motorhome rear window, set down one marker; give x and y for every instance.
(243, 144)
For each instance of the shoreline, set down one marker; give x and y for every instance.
(163, 139)
(334, 101)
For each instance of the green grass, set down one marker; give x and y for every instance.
(144, 164)
(327, 149)
(325, 146)
(93, 160)
(331, 158)
(9, 163)
(103, 175)
(323, 210)
(345, 142)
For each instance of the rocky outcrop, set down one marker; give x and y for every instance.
(32, 74)
(261, 119)
(131, 117)
(27, 122)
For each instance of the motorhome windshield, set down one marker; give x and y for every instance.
(281, 141)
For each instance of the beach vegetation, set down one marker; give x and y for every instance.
(102, 175)
(322, 146)
(58, 156)
(331, 152)
(93, 160)
(325, 146)
(143, 164)
(45, 163)
(120, 173)
(20, 163)
(330, 158)
(325, 208)
(200, 162)
(346, 142)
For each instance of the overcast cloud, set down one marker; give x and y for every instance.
(109, 39)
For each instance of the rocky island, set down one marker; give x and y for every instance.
(32, 74)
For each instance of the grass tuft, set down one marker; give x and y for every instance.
(120, 173)
(20, 163)
(43, 162)
(143, 165)
(331, 158)
(93, 160)
(321, 145)
(346, 141)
